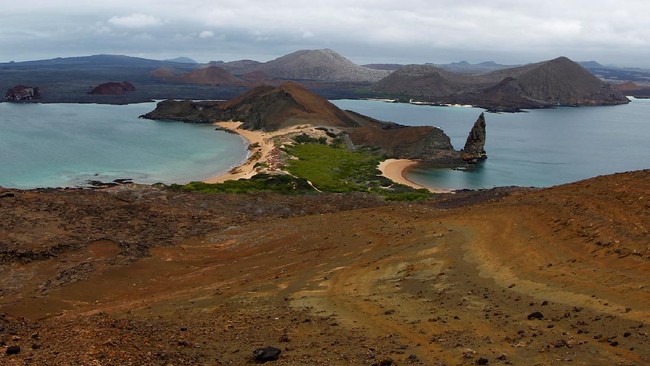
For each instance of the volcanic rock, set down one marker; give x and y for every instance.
(22, 93)
(266, 354)
(113, 88)
(474, 149)
(13, 350)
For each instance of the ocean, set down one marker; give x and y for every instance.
(63, 145)
(538, 148)
(66, 145)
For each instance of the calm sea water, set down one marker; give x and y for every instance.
(55, 145)
(539, 148)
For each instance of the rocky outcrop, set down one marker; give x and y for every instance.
(474, 149)
(271, 108)
(22, 93)
(113, 88)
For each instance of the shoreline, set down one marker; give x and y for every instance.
(246, 169)
(394, 170)
(262, 144)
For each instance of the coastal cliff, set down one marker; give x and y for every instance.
(269, 108)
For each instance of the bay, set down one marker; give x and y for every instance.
(63, 145)
(538, 148)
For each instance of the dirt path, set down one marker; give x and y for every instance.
(510, 282)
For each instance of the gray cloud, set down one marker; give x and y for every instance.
(507, 31)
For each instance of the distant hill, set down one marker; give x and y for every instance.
(94, 61)
(113, 88)
(212, 75)
(385, 67)
(239, 67)
(555, 82)
(319, 65)
(182, 60)
(479, 68)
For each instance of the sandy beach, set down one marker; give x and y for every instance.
(393, 169)
(261, 150)
(262, 143)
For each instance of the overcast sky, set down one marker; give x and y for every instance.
(392, 31)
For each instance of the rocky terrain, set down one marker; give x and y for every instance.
(137, 275)
(270, 108)
(113, 88)
(545, 84)
(22, 93)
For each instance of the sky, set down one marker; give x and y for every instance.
(365, 31)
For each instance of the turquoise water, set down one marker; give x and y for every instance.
(61, 145)
(54, 145)
(538, 148)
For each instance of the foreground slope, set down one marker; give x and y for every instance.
(137, 275)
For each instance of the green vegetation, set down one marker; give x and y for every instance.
(329, 168)
(333, 168)
(306, 139)
(258, 183)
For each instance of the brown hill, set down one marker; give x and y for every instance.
(551, 83)
(319, 65)
(627, 86)
(145, 276)
(272, 108)
(564, 82)
(164, 73)
(212, 75)
(112, 88)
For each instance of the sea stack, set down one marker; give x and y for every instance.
(474, 149)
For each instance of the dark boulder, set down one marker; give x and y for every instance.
(535, 315)
(13, 350)
(266, 354)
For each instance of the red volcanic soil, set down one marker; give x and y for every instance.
(144, 276)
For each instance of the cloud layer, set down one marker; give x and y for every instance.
(507, 31)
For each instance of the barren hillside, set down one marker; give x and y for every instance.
(142, 276)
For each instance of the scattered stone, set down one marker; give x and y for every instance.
(13, 350)
(384, 362)
(544, 303)
(535, 315)
(502, 357)
(482, 361)
(627, 334)
(412, 358)
(284, 338)
(266, 354)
